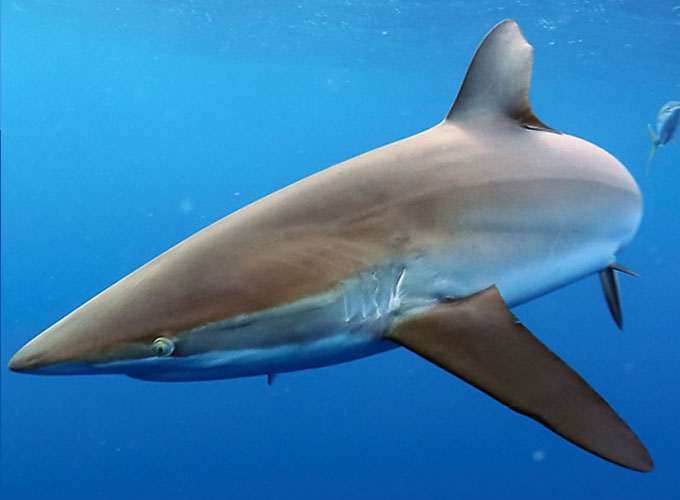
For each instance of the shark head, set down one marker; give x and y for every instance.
(108, 334)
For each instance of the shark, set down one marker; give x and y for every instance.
(425, 243)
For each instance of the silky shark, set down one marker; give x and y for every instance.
(424, 243)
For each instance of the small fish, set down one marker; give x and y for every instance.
(666, 124)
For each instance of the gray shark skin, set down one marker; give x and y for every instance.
(424, 243)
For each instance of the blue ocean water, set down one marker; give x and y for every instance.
(129, 125)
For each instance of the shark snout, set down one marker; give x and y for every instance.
(56, 350)
(32, 356)
(41, 357)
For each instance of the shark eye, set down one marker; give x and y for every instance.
(162, 346)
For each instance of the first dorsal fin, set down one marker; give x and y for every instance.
(498, 80)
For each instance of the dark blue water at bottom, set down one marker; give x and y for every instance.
(129, 125)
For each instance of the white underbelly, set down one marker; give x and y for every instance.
(337, 348)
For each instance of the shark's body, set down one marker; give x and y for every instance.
(358, 258)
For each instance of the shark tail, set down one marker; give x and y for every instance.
(655, 143)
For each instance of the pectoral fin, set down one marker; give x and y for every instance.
(478, 339)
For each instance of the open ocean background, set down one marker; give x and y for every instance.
(128, 125)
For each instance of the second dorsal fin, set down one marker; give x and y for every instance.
(497, 82)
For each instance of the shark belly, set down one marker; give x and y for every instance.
(339, 346)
